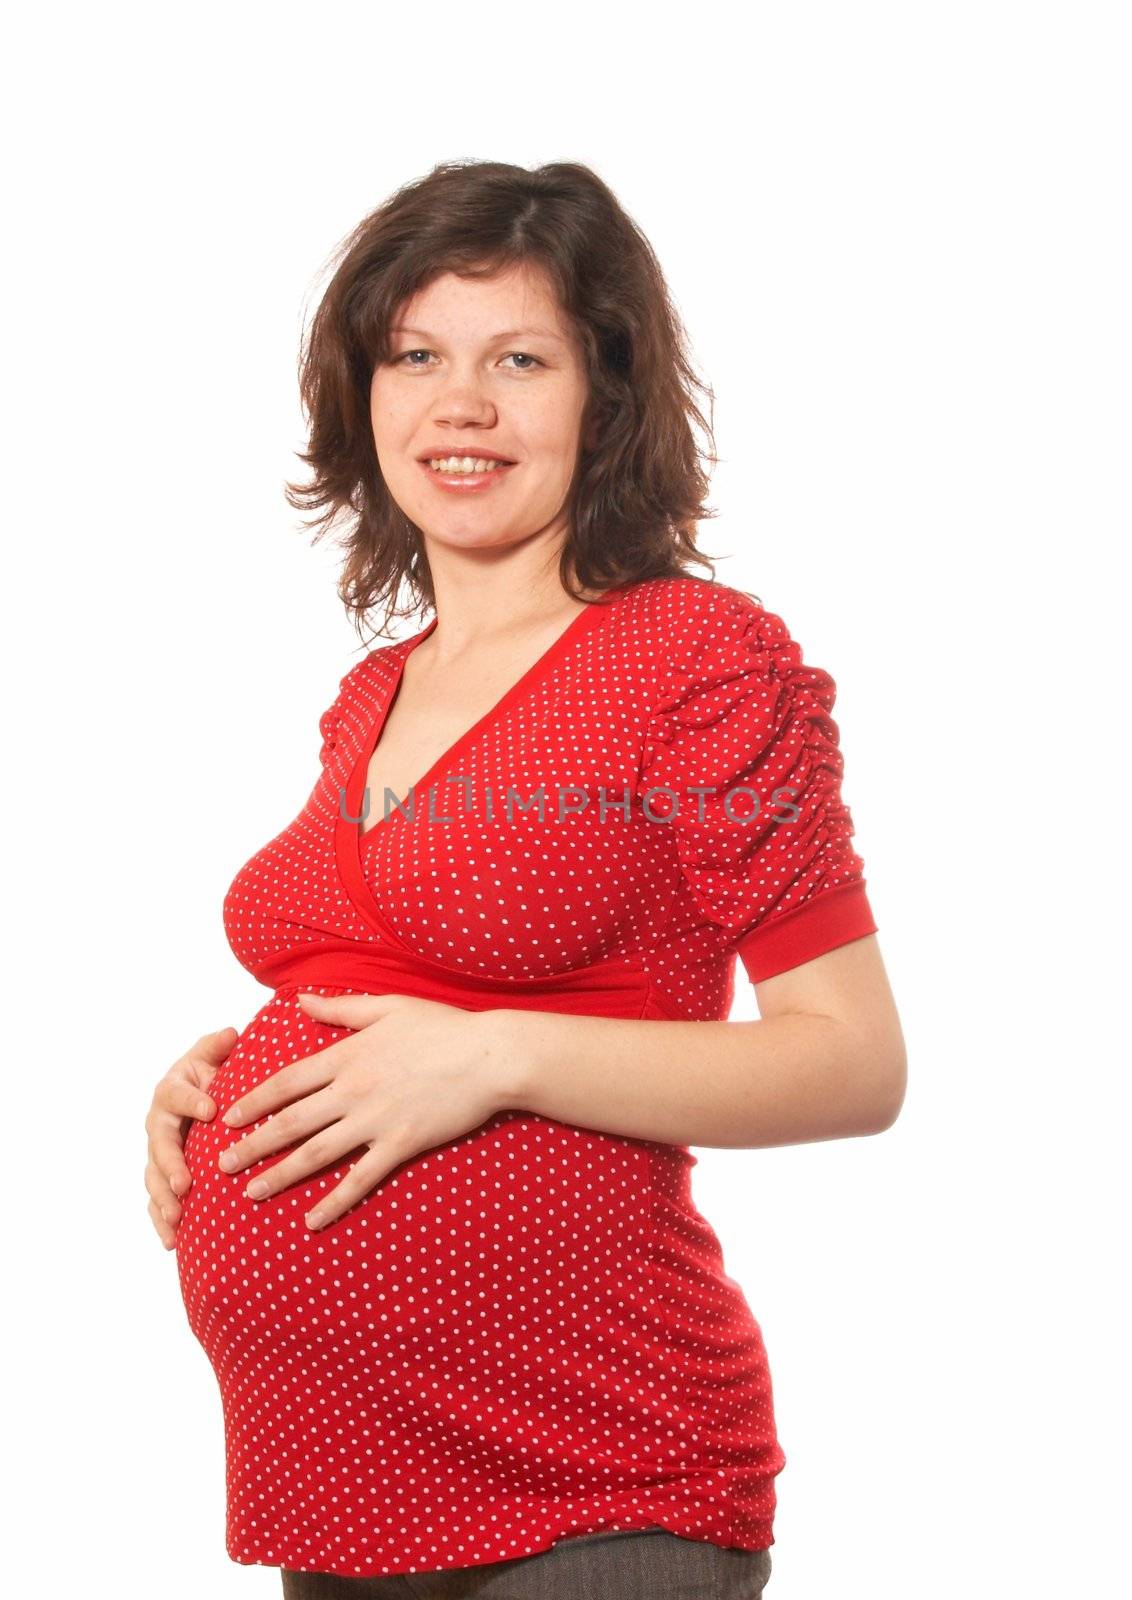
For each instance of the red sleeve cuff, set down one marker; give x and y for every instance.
(832, 918)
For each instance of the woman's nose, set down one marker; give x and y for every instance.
(464, 413)
(463, 397)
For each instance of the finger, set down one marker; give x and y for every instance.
(164, 1188)
(165, 1233)
(201, 1064)
(346, 1010)
(213, 1047)
(167, 1155)
(161, 1193)
(364, 1176)
(296, 1121)
(159, 1183)
(326, 1147)
(180, 1098)
(300, 1078)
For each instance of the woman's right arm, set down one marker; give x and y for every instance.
(180, 1096)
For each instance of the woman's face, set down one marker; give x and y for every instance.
(481, 366)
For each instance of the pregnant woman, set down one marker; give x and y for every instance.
(433, 1220)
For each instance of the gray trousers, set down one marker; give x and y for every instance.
(641, 1564)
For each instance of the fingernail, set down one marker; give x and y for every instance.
(257, 1189)
(314, 1219)
(203, 1108)
(232, 1116)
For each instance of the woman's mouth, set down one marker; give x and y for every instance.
(466, 474)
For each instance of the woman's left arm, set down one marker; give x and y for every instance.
(826, 1061)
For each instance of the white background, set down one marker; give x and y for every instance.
(898, 237)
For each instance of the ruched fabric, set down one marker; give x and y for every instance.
(743, 754)
(328, 727)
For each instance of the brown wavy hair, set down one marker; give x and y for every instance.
(637, 497)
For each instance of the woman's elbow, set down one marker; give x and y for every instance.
(886, 1075)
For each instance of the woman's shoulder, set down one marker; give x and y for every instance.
(687, 601)
(702, 624)
(382, 661)
(357, 684)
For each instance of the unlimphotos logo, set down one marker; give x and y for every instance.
(573, 801)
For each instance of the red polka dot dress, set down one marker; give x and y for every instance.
(529, 1332)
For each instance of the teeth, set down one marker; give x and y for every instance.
(464, 464)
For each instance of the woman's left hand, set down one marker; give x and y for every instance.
(414, 1074)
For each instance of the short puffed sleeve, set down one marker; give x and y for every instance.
(743, 737)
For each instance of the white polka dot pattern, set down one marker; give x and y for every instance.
(529, 1332)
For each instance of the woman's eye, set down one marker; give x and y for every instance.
(515, 355)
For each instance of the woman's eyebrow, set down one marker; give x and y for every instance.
(508, 333)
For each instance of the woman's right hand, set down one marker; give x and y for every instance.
(180, 1097)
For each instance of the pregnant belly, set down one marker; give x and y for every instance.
(523, 1237)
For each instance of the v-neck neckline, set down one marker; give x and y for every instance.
(350, 840)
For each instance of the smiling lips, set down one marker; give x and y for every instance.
(466, 474)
